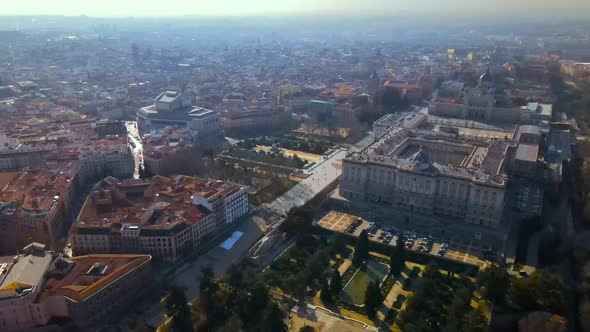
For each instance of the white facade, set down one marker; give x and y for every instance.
(116, 162)
(15, 156)
(426, 193)
(22, 313)
(21, 281)
(236, 205)
(162, 243)
(31, 303)
(205, 122)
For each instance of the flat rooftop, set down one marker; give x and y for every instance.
(527, 152)
(168, 96)
(21, 276)
(182, 114)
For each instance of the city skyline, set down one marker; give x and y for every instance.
(294, 165)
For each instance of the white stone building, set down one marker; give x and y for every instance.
(110, 156)
(420, 172)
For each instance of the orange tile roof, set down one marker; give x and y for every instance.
(72, 285)
(38, 190)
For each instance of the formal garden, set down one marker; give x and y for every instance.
(379, 285)
(355, 289)
(388, 287)
(288, 142)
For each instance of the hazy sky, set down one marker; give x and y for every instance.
(286, 7)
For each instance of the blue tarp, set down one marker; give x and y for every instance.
(229, 243)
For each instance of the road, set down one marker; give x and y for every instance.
(136, 146)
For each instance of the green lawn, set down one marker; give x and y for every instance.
(354, 291)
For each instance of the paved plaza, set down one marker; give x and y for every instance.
(323, 321)
(337, 221)
(322, 175)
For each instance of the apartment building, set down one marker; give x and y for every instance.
(34, 205)
(39, 285)
(162, 216)
(107, 156)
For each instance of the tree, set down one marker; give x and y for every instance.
(398, 258)
(176, 306)
(234, 277)
(296, 286)
(273, 319)
(540, 291)
(206, 278)
(373, 298)
(431, 271)
(299, 221)
(233, 324)
(458, 309)
(316, 264)
(495, 281)
(361, 251)
(259, 297)
(550, 293)
(297, 162)
(338, 244)
(325, 292)
(303, 146)
(522, 294)
(475, 321)
(252, 300)
(335, 282)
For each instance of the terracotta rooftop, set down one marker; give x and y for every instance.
(92, 273)
(156, 203)
(38, 190)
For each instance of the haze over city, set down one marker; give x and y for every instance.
(295, 166)
(288, 7)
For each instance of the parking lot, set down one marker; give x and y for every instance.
(354, 225)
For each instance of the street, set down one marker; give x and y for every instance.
(136, 146)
